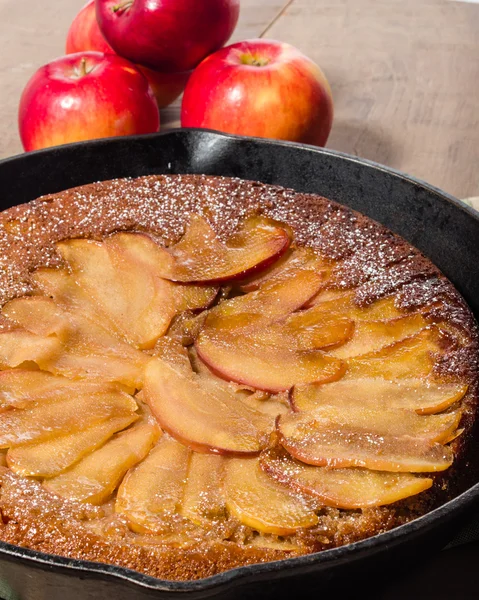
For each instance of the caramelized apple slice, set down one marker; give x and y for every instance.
(327, 294)
(308, 334)
(376, 420)
(124, 291)
(249, 360)
(59, 285)
(173, 352)
(410, 357)
(82, 347)
(370, 336)
(38, 315)
(20, 387)
(203, 500)
(273, 302)
(44, 421)
(150, 494)
(205, 417)
(49, 458)
(100, 367)
(140, 250)
(425, 397)
(259, 502)
(381, 310)
(297, 259)
(201, 257)
(342, 488)
(318, 444)
(91, 351)
(97, 475)
(18, 347)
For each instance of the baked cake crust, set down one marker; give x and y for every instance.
(372, 259)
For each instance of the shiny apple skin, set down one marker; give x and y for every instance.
(167, 35)
(60, 105)
(286, 96)
(84, 34)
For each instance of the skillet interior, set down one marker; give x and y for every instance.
(437, 224)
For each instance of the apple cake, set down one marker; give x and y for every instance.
(199, 373)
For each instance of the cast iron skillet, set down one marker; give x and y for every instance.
(439, 225)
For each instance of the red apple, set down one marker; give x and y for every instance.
(85, 96)
(261, 88)
(167, 35)
(84, 34)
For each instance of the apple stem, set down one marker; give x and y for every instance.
(122, 7)
(83, 70)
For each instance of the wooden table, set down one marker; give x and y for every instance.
(405, 80)
(404, 74)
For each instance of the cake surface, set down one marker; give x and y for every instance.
(363, 267)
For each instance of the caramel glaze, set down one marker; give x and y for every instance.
(374, 260)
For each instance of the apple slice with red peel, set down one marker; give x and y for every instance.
(202, 415)
(249, 360)
(423, 396)
(258, 501)
(274, 301)
(342, 488)
(296, 259)
(370, 336)
(203, 500)
(326, 444)
(51, 457)
(142, 250)
(96, 476)
(411, 357)
(238, 342)
(46, 420)
(320, 334)
(150, 495)
(200, 256)
(378, 421)
(19, 347)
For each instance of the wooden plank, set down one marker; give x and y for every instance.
(405, 80)
(33, 33)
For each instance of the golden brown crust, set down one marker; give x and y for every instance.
(375, 261)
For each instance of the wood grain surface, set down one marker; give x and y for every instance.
(405, 80)
(404, 74)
